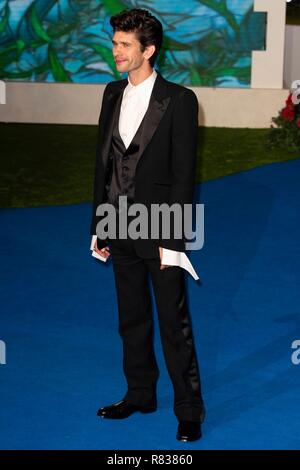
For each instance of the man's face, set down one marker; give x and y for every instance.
(127, 52)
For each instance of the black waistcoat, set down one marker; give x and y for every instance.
(120, 172)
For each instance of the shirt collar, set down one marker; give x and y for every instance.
(142, 87)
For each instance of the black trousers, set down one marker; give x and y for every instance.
(136, 330)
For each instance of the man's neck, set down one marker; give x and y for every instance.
(138, 76)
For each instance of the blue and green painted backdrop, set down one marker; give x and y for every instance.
(206, 42)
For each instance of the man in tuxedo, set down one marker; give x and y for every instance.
(146, 151)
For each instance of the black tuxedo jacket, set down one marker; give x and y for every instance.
(165, 171)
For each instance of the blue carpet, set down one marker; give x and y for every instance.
(59, 323)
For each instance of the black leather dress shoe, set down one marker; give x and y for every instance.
(189, 431)
(122, 409)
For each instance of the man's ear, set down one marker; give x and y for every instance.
(149, 51)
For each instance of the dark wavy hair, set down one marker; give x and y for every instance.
(148, 28)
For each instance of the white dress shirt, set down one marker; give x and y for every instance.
(134, 105)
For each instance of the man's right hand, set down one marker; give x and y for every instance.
(103, 252)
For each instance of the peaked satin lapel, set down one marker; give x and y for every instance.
(114, 100)
(158, 105)
(152, 118)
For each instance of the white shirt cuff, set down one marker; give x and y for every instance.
(94, 253)
(178, 258)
